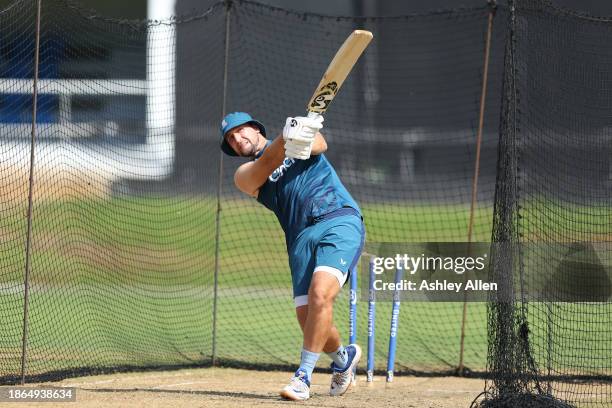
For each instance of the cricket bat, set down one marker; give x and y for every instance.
(338, 70)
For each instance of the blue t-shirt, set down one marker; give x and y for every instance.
(300, 190)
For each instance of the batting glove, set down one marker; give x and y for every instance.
(298, 150)
(299, 134)
(302, 128)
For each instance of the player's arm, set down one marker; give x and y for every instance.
(252, 175)
(319, 146)
(249, 177)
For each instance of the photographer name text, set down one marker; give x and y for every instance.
(434, 286)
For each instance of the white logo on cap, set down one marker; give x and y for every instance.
(224, 123)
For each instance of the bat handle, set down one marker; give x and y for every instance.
(312, 114)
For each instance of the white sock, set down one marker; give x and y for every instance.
(340, 357)
(308, 361)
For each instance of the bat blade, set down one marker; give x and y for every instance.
(338, 70)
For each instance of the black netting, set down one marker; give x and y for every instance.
(406, 120)
(550, 332)
(127, 165)
(120, 276)
(129, 198)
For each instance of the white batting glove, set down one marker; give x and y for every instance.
(302, 128)
(298, 149)
(299, 134)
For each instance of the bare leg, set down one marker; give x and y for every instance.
(317, 328)
(333, 339)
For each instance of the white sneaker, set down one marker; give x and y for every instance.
(343, 378)
(298, 389)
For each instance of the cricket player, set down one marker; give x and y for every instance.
(323, 227)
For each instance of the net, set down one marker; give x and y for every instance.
(551, 347)
(131, 194)
(127, 173)
(116, 276)
(402, 136)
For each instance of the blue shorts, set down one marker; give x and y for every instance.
(331, 245)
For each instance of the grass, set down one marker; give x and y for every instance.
(101, 326)
(130, 280)
(87, 240)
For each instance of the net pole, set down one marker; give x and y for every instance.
(473, 203)
(228, 5)
(26, 280)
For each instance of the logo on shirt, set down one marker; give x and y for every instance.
(278, 173)
(342, 262)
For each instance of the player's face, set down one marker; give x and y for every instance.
(243, 139)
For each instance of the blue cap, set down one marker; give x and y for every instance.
(232, 120)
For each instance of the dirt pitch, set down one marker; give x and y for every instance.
(221, 387)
